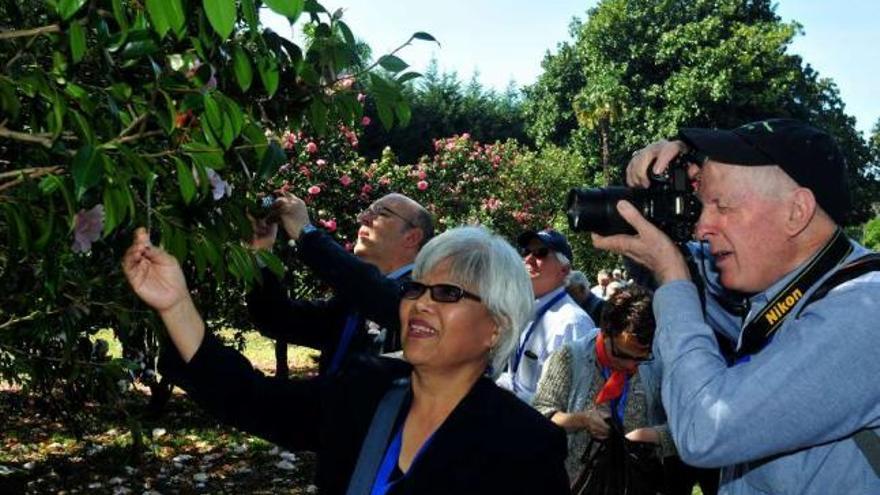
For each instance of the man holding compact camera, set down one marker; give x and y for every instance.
(797, 411)
(363, 314)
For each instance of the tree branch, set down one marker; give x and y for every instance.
(14, 320)
(41, 139)
(21, 33)
(31, 173)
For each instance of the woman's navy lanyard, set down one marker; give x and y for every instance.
(522, 347)
(618, 406)
(383, 482)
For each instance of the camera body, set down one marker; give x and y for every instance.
(670, 203)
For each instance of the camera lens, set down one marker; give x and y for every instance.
(595, 210)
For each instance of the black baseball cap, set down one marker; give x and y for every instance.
(808, 155)
(550, 238)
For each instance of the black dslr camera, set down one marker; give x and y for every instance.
(669, 202)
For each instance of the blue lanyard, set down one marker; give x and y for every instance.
(348, 331)
(522, 347)
(618, 406)
(351, 324)
(389, 462)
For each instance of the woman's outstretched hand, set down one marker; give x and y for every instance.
(154, 275)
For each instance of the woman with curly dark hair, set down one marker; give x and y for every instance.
(607, 381)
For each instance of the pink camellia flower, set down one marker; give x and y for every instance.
(466, 135)
(88, 228)
(367, 189)
(423, 175)
(314, 190)
(219, 187)
(329, 225)
(365, 121)
(345, 180)
(312, 148)
(361, 97)
(422, 185)
(321, 162)
(348, 246)
(305, 171)
(384, 181)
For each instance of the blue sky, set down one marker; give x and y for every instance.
(506, 39)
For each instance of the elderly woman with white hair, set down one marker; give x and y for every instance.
(435, 424)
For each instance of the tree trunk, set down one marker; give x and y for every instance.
(281, 368)
(606, 153)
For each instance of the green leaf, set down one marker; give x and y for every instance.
(111, 212)
(249, 10)
(139, 48)
(86, 169)
(421, 35)
(207, 156)
(66, 8)
(221, 15)
(409, 76)
(52, 183)
(386, 114)
(241, 64)
(185, 181)
(271, 261)
(119, 15)
(268, 68)
(318, 116)
(392, 63)
(212, 114)
(233, 112)
(403, 112)
(77, 41)
(83, 127)
(158, 10)
(288, 8)
(257, 138)
(46, 229)
(9, 103)
(346, 33)
(272, 160)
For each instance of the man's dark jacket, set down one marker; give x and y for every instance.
(358, 287)
(491, 443)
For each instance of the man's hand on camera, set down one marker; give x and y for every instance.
(291, 213)
(655, 156)
(650, 247)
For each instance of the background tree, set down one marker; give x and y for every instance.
(657, 66)
(442, 106)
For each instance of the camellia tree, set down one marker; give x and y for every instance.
(166, 114)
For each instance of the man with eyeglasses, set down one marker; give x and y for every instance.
(557, 319)
(363, 314)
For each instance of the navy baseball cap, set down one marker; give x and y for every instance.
(550, 238)
(808, 155)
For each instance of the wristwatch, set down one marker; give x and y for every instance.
(307, 228)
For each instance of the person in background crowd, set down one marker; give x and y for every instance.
(556, 318)
(798, 411)
(578, 288)
(608, 375)
(603, 278)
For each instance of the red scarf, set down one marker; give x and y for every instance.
(614, 385)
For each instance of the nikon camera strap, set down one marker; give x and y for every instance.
(761, 329)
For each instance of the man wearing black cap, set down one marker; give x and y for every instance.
(798, 409)
(557, 319)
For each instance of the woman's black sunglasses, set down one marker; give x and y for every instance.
(445, 293)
